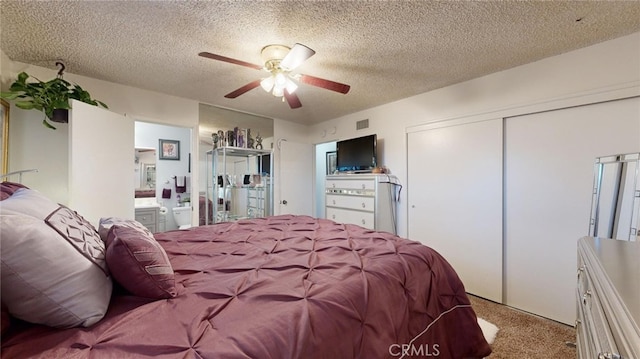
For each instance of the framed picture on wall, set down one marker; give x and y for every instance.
(331, 162)
(169, 150)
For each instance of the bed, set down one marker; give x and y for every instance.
(277, 287)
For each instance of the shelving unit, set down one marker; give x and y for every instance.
(232, 198)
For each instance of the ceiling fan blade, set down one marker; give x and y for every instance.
(292, 99)
(248, 87)
(296, 56)
(229, 60)
(325, 84)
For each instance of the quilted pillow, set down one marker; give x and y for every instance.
(107, 222)
(139, 263)
(53, 263)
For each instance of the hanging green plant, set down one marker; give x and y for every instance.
(51, 97)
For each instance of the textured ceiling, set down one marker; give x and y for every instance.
(386, 50)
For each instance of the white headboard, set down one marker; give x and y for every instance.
(19, 173)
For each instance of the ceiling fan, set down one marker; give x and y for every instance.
(279, 62)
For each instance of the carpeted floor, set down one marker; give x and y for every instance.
(524, 336)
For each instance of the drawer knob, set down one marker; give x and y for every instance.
(363, 186)
(334, 201)
(363, 205)
(607, 355)
(363, 221)
(585, 296)
(333, 216)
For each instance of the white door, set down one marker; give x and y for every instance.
(101, 154)
(295, 178)
(455, 200)
(549, 170)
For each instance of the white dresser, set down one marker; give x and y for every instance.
(366, 200)
(608, 295)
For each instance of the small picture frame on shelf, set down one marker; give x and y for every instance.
(169, 150)
(331, 162)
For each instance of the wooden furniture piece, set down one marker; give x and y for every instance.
(366, 200)
(148, 217)
(608, 299)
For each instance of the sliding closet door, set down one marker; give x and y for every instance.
(455, 200)
(549, 165)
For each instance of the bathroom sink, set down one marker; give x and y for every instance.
(146, 203)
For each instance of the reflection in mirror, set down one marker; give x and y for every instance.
(214, 120)
(616, 197)
(145, 172)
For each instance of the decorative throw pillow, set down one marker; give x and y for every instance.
(138, 262)
(107, 222)
(7, 188)
(5, 320)
(53, 263)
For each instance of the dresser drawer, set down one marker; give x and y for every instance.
(595, 320)
(585, 345)
(363, 219)
(361, 203)
(351, 184)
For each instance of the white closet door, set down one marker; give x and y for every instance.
(101, 155)
(549, 165)
(455, 200)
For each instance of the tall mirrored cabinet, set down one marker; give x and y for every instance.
(615, 207)
(239, 184)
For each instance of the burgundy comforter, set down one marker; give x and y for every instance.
(281, 287)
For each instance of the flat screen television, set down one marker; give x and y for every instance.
(357, 154)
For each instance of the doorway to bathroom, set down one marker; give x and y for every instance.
(162, 171)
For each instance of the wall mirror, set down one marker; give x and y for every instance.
(214, 120)
(145, 169)
(615, 208)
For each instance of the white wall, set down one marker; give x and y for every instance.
(29, 140)
(589, 71)
(31, 145)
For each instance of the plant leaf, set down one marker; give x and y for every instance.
(47, 124)
(25, 105)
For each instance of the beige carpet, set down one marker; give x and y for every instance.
(522, 335)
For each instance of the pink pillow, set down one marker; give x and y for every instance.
(138, 262)
(7, 189)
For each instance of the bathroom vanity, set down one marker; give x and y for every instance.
(148, 216)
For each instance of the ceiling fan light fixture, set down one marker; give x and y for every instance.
(279, 61)
(267, 83)
(291, 86)
(278, 91)
(274, 52)
(280, 79)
